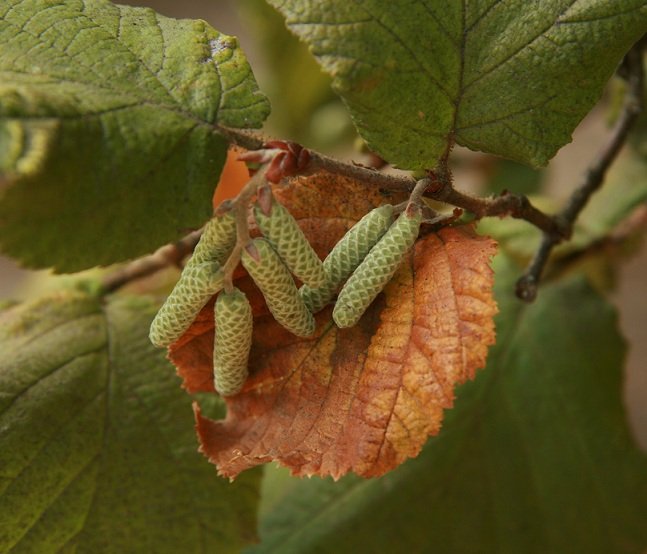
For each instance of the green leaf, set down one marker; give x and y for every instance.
(535, 457)
(108, 146)
(97, 448)
(511, 78)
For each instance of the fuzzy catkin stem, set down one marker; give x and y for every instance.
(241, 209)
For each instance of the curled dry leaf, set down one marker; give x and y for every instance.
(362, 399)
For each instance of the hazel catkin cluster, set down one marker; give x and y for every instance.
(361, 264)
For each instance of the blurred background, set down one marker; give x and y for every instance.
(305, 109)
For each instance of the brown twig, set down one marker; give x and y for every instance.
(627, 229)
(526, 288)
(173, 254)
(440, 188)
(245, 139)
(170, 254)
(370, 176)
(507, 204)
(241, 206)
(319, 162)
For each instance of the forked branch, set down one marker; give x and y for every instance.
(440, 186)
(240, 208)
(168, 255)
(593, 178)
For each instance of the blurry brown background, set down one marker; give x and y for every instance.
(564, 171)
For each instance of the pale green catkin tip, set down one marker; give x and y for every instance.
(347, 254)
(217, 240)
(377, 269)
(287, 238)
(197, 284)
(281, 294)
(232, 342)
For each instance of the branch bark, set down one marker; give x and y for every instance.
(593, 179)
(440, 186)
(170, 254)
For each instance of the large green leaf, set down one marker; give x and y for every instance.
(536, 456)
(510, 77)
(107, 141)
(97, 448)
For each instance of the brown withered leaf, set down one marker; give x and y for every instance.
(362, 399)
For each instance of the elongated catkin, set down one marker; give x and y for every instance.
(347, 254)
(275, 282)
(232, 342)
(287, 238)
(372, 275)
(217, 240)
(196, 286)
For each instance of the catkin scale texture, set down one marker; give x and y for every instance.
(232, 342)
(347, 254)
(217, 240)
(281, 294)
(372, 275)
(287, 238)
(197, 284)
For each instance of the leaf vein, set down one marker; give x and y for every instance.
(441, 26)
(513, 54)
(403, 44)
(31, 385)
(482, 16)
(510, 115)
(60, 493)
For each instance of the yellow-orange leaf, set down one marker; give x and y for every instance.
(362, 399)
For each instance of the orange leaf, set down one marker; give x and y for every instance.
(233, 177)
(362, 399)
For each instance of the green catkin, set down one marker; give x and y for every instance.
(197, 284)
(233, 340)
(287, 238)
(377, 269)
(347, 254)
(281, 294)
(217, 240)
